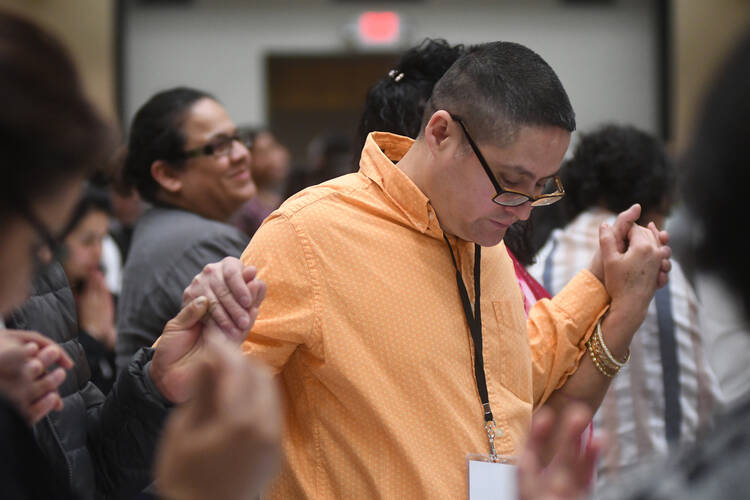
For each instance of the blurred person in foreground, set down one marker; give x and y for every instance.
(83, 443)
(394, 316)
(667, 393)
(714, 188)
(187, 160)
(270, 169)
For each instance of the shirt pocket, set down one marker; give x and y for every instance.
(514, 352)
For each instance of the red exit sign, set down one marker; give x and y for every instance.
(379, 28)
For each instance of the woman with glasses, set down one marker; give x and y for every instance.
(186, 158)
(396, 103)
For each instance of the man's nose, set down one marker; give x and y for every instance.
(522, 212)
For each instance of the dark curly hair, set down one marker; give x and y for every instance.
(614, 167)
(717, 173)
(155, 134)
(396, 104)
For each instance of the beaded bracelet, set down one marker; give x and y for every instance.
(607, 354)
(605, 371)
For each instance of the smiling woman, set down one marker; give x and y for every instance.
(186, 158)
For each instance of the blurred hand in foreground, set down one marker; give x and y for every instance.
(32, 367)
(224, 443)
(569, 475)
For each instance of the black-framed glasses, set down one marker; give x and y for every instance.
(552, 192)
(220, 146)
(46, 238)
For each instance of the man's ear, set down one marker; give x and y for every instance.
(440, 133)
(166, 176)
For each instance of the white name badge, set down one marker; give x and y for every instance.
(492, 480)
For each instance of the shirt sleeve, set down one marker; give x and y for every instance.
(288, 318)
(558, 330)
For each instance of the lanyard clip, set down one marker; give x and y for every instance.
(489, 426)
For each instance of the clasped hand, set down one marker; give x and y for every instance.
(28, 375)
(224, 298)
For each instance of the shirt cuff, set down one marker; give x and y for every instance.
(583, 299)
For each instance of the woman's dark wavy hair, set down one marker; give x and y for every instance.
(717, 173)
(49, 132)
(396, 104)
(155, 134)
(614, 167)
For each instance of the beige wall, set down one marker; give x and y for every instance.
(603, 53)
(86, 27)
(703, 33)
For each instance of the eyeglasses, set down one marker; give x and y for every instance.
(46, 239)
(552, 192)
(220, 146)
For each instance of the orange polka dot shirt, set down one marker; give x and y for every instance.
(364, 325)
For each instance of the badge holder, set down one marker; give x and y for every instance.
(492, 479)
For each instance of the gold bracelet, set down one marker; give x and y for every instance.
(607, 354)
(600, 356)
(599, 365)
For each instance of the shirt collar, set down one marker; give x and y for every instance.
(379, 157)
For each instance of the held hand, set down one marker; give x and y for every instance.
(624, 221)
(96, 310)
(631, 277)
(225, 442)
(569, 474)
(26, 377)
(233, 293)
(173, 365)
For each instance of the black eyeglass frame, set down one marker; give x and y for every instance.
(47, 239)
(246, 139)
(536, 201)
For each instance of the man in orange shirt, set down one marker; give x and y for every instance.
(393, 316)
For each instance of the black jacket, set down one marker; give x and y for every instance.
(103, 445)
(25, 473)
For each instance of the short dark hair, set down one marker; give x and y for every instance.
(615, 166)
(396, 102)
(498, 87)
(156, 134)
(717, 173)
(49, 131)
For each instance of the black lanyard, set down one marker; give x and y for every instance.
(475, 325)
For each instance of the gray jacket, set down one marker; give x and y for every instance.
(170, 246)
